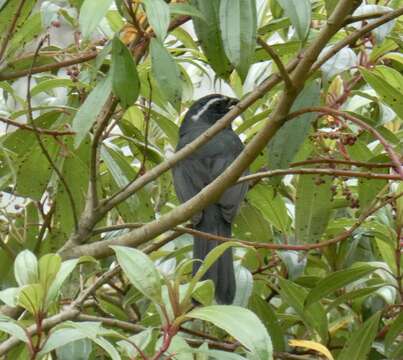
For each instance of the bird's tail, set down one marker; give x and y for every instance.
(222, 271)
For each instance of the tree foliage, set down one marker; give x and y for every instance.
(95, 249)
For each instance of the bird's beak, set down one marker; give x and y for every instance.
(232, 102)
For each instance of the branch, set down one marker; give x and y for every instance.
(92, 215)
(355, 36)
(343, 162)
(40, 142)
(352, 19)
(100, 125)
(39, 130)
(221, 124)
(237, 168)
(72, 311)
(326, 110)
(10, 30)
(281, 68)
(330, 172)
(48, 67)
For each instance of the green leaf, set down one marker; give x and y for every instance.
(64, 272)
(313, 316)
(140, 271)
(51, 84)
(209, 260)
(251, 225)
(10, 296)
(238, 23)
(271, 205)
(9, 9)
(244, 286)
(91, 14)
(368, 189)
(26, 268)
(60, 338)
(34, 170)
(387, 82)
(125, 79)
(31, 298)
(78, 350)
(141, 340)
(299, 12)
(280, 149)
(108, 347)
(360, 341)
(13, 329)
(399, 206)
(252, 334)
(270, 320)
(351, 295)
(88, 112)
(138, 207)
(49, 266)
(392, 336)
(186, 9)
(336, 281)
(158, 17)
(204, 292)
(313, 207)
(209, 34)
(166, 73)
(31, 28)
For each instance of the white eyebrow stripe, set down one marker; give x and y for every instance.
(197, 116)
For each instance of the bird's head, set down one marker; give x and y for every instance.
(209, 109)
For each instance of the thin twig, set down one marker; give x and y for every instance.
(352, 19)
(353, 37)
(101, 123)
(326, 110)
(48, 67)
(39, 130)
(10, 30)
(342, 162)
(141, 171)
(40, 142)
(330, 172)
(281, 68)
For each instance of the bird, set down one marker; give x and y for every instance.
(196, 171)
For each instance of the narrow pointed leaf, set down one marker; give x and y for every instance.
(158, 17)
(87, 114)
(313, 207)
(209, 34)
(252, 334)
(299, 12)
(125, 79)
(336, 281)
(238, 23)
(91, 14)
(166, 73)
(359, 343)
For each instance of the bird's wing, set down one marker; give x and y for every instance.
(192, 174)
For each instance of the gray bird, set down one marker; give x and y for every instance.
(198, 170)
